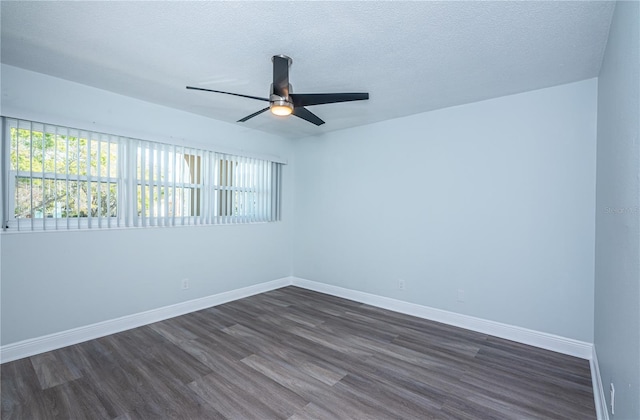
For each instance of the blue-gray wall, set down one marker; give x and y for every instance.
(496, 198)
(617, 269)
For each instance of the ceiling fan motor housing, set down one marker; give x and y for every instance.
(280, 102)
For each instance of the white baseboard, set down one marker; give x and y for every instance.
(61, 339)
(602, 411)
(66, 338)
(547, 341)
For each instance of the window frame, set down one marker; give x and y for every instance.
(250, 197)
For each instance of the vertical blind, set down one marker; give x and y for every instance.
(64, 178)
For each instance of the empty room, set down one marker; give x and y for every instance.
(320, 210)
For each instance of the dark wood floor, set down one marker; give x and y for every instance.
(297, 354)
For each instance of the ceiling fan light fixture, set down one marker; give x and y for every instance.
(281, 107)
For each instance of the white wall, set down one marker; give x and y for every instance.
(55, 281)
(617, 269)
(495, 198)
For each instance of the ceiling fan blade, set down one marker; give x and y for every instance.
(281, 75)
(253, 115)
(229, 93)
(307, 115)
(308, 99)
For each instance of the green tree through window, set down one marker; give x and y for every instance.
(61, 175)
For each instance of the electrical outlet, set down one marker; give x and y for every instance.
(460, 295)
(612, 391)
(401, 284)
(185, 284)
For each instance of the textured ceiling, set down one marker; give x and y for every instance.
(410, 56)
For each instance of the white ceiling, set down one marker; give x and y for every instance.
(411, 57)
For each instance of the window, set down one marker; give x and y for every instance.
(169, 184)
(60, 177)
(244, 187)
(64, 178)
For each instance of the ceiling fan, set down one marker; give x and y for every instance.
(283, 102)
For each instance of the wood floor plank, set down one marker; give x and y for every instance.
(340, 344)
(286, 375)
(312, 411)
(51, 370)
(293, 353)
(192, 408)
(372, 330)
(434, 385)
(342, 406)
(283, 401)
(229, 399)
(398, 402)
(538, 401)
(172, 331)
(22, 396)
(333, 360)
(74, 400)
(176, 363)
(116, 386)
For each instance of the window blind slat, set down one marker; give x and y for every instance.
(239, 190)
(255, 191)
(229, 194)
(99, 181)
(55, 177)
(108, 181)
(265, 187)
(88, 173)
(31, 212)
(223, 189)
(66, 175)
(165, 186)
(260, 189)
(183, 191)
(252, 190)
(217, 181)
(153, 181)
(206, 164)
